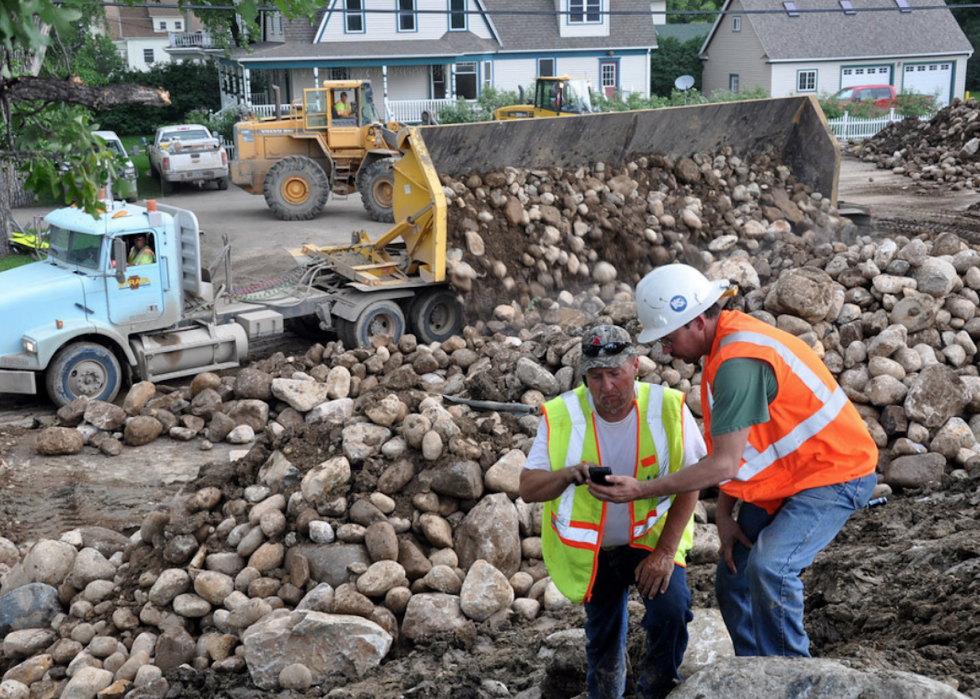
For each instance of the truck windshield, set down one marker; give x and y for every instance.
(576, 97)
(846, 94)
(74, 247)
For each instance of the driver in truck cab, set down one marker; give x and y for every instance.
(140, 253)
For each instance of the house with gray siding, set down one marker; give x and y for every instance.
(822, 46)
(436, 50)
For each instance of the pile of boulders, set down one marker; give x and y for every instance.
(372, 511)
(940, 151)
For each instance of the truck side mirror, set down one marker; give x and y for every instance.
(119, 258)
(144, 142)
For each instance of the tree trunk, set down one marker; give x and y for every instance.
(73, 91)
(7, 178)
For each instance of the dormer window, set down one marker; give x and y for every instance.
(163, 25)
(584, 11)
(737, 23)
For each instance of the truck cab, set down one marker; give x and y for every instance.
(105, 303)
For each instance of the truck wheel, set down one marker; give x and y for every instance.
(435, 315)
(296, 189)
(222, 183)
(167, 187)
(379, 318)
(377, 186)
(154, 173)
(83, 369)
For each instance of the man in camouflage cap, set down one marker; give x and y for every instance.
(596, 550)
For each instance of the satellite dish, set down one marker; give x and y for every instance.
(684, 82)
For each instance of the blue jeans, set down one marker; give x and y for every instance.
(606, 623)
(762, 604)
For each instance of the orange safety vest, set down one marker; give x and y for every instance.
(814, 436)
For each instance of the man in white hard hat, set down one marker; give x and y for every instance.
(783, 439)
(596, 551)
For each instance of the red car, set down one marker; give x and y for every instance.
(882, 95)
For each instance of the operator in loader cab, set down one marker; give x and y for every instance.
(342, 106)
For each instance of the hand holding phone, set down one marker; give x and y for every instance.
(597, 474)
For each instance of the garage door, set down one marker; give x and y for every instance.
(929, 78)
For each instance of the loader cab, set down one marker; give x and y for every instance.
(555, 96)
(339, 111)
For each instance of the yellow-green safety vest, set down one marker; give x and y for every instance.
(573, 522)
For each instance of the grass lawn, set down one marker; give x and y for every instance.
(14, 259)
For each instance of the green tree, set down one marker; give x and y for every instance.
(672, 59)
(692, 11)
(969, 21)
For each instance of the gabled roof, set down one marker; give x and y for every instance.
(535, 30)
(877, 29)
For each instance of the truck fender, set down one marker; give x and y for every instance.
(50, 339)
(349, 303)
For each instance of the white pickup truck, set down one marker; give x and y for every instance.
(187, 153)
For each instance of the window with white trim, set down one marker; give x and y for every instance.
(733, 83)
(608, 75)
(342, 73)
(737, 23)
(585, 11)
(148, 58)
(488, 73)
(457, 15)
(466, 80)
(406, 16)
(354, 17)
(806, 81)
(163, 25)
(178, 26)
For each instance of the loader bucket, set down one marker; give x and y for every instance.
(793, 130)
(793, 127)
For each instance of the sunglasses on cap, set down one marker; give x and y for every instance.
(609, 349)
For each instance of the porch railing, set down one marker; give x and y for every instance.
(191, 40)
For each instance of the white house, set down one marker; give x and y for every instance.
(821, 46)
(444, 49)
(145, 36)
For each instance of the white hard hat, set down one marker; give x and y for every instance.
(672, 296)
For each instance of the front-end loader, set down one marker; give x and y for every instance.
(332, 141)
(553, 96)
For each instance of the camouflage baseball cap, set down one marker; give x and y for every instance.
(605, 347)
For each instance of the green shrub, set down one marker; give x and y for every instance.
(914, 104)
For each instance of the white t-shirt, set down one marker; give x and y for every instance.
(617, 449)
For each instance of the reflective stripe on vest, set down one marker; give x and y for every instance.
(571, 542)
(794, 450)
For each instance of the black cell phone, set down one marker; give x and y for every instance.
(597, 474)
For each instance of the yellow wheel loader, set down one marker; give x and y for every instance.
(332, 141)
(553, 96)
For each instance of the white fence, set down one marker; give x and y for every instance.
(847, 127)
(406, 111)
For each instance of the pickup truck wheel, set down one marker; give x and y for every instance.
(154, 173)
(379, 318)
(435, 315)
(377, 186)
(296, 189)
(83, 369)
(167, 187)
(223, 183)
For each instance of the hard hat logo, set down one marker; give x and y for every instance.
(698, 293)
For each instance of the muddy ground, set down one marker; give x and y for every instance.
(899, 588)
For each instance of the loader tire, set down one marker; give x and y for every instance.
(435, 315)
(83, 369)
(296, 189)
(377, 186)
(379, 318)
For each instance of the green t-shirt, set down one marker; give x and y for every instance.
(743, 389)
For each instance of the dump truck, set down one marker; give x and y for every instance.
(330, 142)
(83, 320)
(553, 96)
